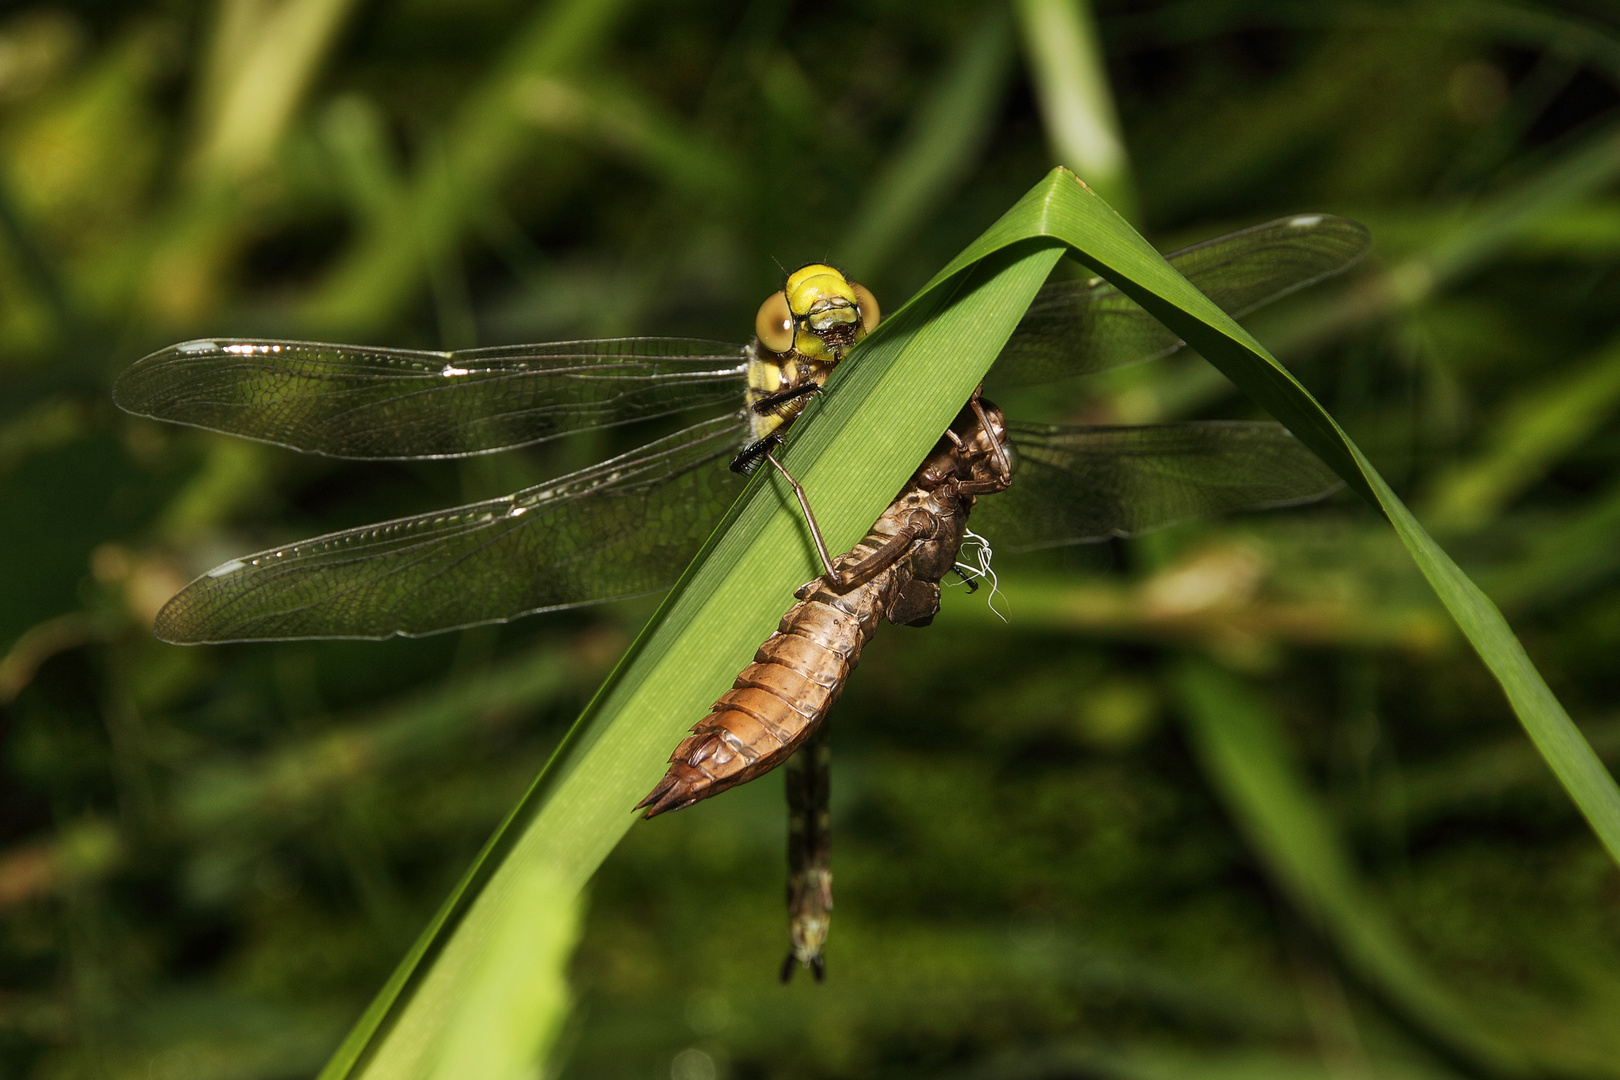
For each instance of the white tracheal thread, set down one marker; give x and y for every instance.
(981, 555)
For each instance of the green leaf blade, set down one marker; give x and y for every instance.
(1136, 269)
(858, 443)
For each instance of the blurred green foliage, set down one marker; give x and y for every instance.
(1232, 800)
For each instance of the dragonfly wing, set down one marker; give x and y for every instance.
(1076, 484)
(620, 528)
(354, 402)
(1084, 326)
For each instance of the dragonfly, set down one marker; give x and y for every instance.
(628, 525)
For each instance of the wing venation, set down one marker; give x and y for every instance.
(1085, 326)
(352, 401)
(1080, 484)
(621, 528)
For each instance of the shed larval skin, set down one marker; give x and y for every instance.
(892, 574)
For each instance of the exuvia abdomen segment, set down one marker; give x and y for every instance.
(778, 700)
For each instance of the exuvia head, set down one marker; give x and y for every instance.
(968, 446)
(971, 423)
(987, 436)
(818, 311)
(977, 430)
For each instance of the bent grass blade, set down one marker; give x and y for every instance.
(879, 416)
(1062, 208)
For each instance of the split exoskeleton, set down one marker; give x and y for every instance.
(781, 699)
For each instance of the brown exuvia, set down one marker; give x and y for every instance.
(780, 701)
(892, 574)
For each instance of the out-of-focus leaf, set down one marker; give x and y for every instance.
(1428, 792)
(623, 121)
(264, 57)
(1245, 754)
(1070, 77)
(946, 136)
(1536, 429)
(1220, 596)
(1451, 244)
(488, 135)
(307, 771)
(45, 427)
(1561, 557)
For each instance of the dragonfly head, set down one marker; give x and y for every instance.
(819, 313)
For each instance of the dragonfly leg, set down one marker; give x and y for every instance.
(749, 457)
(981, 487)
(809, 516)
(1003, 459)
(769, 402)
(1000, 464)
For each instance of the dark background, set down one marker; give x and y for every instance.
(1048, 865)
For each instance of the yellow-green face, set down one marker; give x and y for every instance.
(823, 302)
(818, 314)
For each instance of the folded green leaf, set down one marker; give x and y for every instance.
(855, 447)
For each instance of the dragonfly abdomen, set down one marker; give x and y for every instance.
(809, 891)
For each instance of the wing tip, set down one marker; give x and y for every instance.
(172, 624)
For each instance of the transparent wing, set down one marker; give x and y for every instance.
(626, 526)
(354, 402)
(1076, 484)
(1078, 327)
